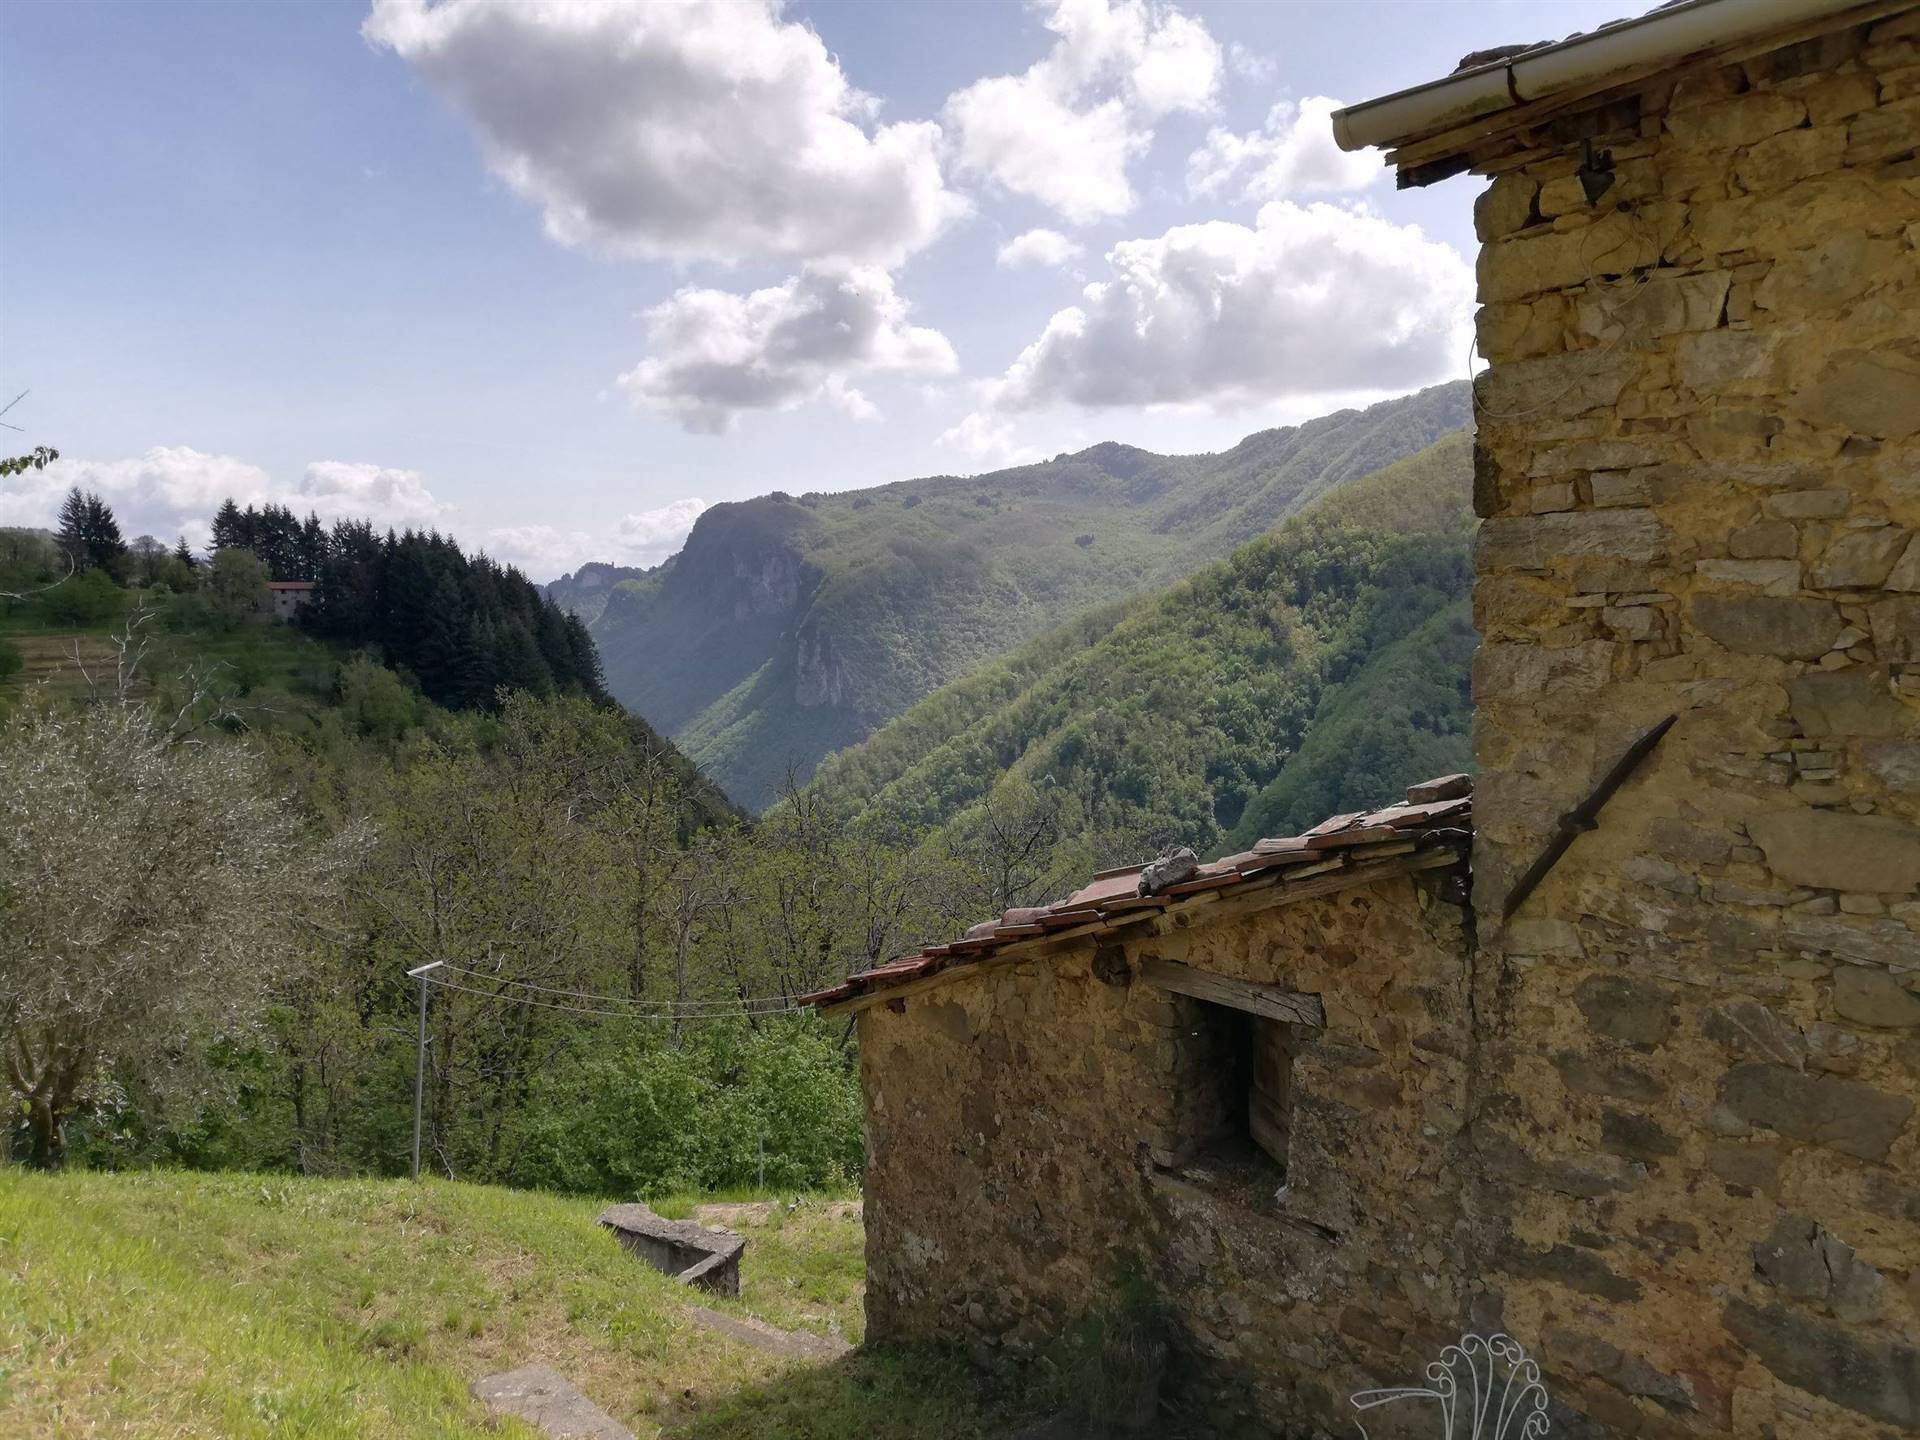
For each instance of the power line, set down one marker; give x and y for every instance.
(742, 1003)
(689, 1014)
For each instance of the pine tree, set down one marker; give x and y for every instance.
(227, 525)
(184, 554)
(104, 546)
(312, 548)
(72, 537)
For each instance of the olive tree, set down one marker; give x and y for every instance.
(150, 892)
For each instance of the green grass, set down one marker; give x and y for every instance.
(182, 1304)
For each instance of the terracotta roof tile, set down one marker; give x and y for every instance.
(1112, 886)
(1436, 812)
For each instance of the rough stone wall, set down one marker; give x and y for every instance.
(1023, 1126)
(1698, 1167)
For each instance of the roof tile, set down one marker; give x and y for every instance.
(1436, 812)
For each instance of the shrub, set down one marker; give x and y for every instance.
(86, 600)
(377, 702)
(729, 1108)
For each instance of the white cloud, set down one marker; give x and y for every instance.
(1040, 247)
(643, 539)
(350, 490)
(1311, 300)
(1293, 154)
(1064, 130)
(1250, 64)
(174, 490)
(714, 354)
(678, 129)
(171, 490)
(988, 440)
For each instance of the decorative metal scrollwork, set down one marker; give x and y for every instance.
(1487, 1388)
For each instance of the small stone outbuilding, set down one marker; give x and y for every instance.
(1655, 1118)
(1245, 1085)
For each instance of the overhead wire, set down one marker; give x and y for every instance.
(742, 1002)
(731, 1011)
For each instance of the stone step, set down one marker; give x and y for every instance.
(551, 1403)
(762, 1336)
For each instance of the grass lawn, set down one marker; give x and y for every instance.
(182, 1304)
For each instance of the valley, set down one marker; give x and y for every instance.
(789, 628)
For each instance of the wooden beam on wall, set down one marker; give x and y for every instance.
(1265, 1000)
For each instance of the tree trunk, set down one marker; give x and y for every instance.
(49, 1134)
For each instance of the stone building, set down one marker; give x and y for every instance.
(289, 597)
(1658, 1121)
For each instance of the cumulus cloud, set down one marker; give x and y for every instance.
(349, 490)
(646, 538)
(1064, 130)
(1293, 154)
(1040, 247)
(170, 490)
(1253, 65)
(1311, 300)
(678, 129)
(987, 440)
(714, 354)
(174, 490)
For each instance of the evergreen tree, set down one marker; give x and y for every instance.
(183, 554)
(227, 526)
(465, 627)
(89, 536)
(312, 548)
(72, 536)
(104, 545)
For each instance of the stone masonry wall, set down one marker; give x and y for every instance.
(1697, 1183)
(1023, 1126)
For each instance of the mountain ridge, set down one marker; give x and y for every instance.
(1312, 671)
(788, 628)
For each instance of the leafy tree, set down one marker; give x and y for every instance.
(87, 600)
(144, 893)
(236, 585)
(376, 702)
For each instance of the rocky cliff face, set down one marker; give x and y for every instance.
(790, 627)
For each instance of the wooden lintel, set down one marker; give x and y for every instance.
(1265, 1000)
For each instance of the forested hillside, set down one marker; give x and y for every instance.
(789, 628)
(1316, 670)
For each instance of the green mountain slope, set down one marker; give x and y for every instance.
(1315, 670)
(789, 628)
(277, 679)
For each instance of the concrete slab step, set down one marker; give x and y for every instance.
(774, 1341)
(547, 1400)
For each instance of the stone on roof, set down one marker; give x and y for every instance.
(1352, 849)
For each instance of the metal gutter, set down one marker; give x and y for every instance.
(1671, 33)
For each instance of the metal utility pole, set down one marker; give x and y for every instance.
(420, 1059)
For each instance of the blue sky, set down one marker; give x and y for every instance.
(551, 277)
